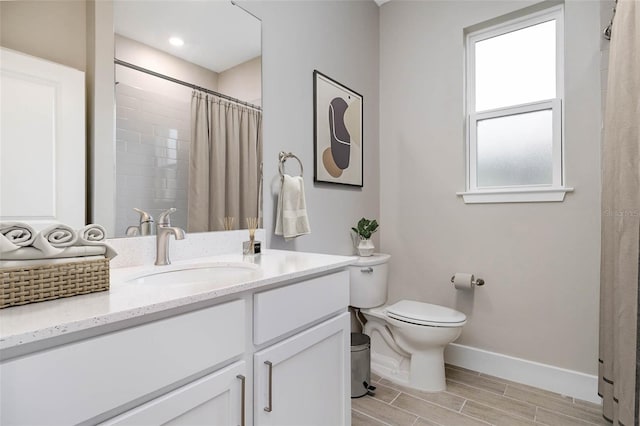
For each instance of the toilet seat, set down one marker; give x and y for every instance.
(426, 314)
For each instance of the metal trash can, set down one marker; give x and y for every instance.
(360, 365)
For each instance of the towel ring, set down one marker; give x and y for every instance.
(283, 157)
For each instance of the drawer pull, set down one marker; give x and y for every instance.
(269, 407)
(242, 400)
(368, 270)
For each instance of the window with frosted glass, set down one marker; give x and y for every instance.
(514, 89)
(515, 150)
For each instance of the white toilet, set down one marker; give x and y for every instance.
(415, 333)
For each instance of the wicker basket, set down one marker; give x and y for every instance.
(29, 284)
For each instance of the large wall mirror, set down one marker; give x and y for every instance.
(188, 115)
(187, 92)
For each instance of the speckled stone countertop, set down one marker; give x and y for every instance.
(126, 300)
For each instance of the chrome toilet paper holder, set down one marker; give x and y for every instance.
(474, 281)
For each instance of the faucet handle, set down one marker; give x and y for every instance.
(146, 224)
(144, 216)
(164, 219)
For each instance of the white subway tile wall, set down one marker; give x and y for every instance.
(152, 156)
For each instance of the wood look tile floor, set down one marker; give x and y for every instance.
(471, 398)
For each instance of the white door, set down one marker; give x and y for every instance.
(305, 380)
(217, 399)
(42, 141)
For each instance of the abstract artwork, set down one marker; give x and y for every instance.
(337, 128)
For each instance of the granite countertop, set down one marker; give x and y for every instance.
(127, 300)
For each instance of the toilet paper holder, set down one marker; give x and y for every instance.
(474, 281)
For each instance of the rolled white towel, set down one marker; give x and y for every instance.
(32, 253)
(92, 233)
(54, 239)
(95, 235)
(39, 262)
(14, 235)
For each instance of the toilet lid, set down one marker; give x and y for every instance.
(426, 314)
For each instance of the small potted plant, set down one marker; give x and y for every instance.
(364, 230)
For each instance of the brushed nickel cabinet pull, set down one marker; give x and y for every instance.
(269, 407)
(242, 400)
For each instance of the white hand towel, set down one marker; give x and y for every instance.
(14, 235)
(53, 239)
(38, 262)
(92, 233)
(95, 235)
(32, 253)
(291, 216)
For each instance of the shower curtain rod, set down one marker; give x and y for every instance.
(184, 83)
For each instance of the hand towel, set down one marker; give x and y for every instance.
(14, 235)
(291, 216)
(53, 239)
(95, 235)
(92, 233)
(38, 262)
(32, 253)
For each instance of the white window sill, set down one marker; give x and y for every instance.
(515, 195)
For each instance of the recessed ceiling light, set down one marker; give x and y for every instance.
(176, 41)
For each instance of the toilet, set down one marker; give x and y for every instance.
(408, 337)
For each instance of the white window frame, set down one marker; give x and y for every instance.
(515, 193)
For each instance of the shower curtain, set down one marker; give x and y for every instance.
(619, 369)
(224, 165)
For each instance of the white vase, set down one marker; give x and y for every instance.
(365, 247)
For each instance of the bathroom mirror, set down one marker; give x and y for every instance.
(188, 116)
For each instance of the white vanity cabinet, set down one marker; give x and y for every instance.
(304, 379)
(285, 349)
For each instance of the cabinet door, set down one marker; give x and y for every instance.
(216, 399)
(304, 380)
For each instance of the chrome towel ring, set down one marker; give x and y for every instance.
(283, 157)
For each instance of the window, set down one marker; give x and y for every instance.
(514, 89)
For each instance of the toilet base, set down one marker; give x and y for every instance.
(426, 372)
(421, 374)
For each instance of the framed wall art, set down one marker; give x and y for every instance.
(337, 127)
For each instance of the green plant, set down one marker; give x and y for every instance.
(366, 228)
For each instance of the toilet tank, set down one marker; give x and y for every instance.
(368, 281)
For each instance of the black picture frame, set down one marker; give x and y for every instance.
(338, 154)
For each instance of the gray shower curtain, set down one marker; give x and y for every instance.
(225, 163)
(619, 372)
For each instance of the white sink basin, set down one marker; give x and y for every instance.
(210, 275)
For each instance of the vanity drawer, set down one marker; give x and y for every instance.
(279, 311)
(76, 382)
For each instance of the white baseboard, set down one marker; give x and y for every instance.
(543, 376)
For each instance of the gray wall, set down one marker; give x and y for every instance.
(339, 39)
(540, 260)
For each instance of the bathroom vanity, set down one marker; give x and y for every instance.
(268, 348)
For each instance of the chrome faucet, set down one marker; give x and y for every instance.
(144, 228)
(163, 231)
